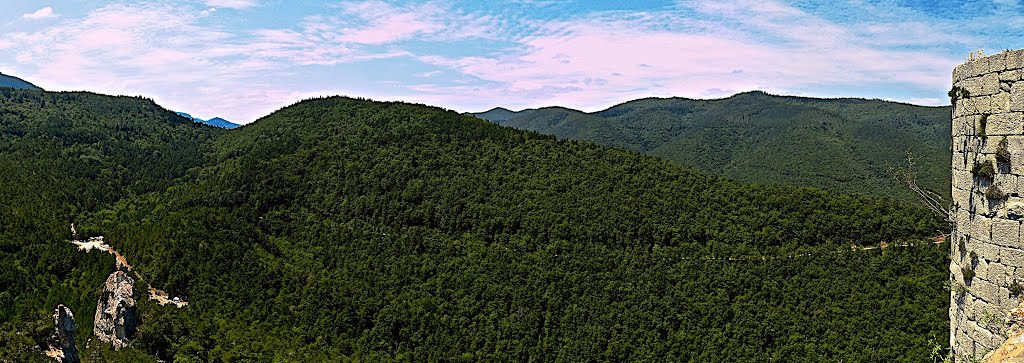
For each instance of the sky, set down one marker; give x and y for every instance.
(243, 59)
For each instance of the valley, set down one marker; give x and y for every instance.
(386, 231)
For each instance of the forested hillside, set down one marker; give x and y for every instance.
(64, 155)
(341, 229)
(844, 145)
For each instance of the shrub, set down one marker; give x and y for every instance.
(968, 274)
(974, 258)
(993, 193)
(957, 93)
(1015, 288)
(984, 170)
(982, 122)
(1002, 154)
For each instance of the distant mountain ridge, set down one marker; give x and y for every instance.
(844, 144)
(216, 121)
(15, 82)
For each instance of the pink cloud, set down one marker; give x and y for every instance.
(594, 62)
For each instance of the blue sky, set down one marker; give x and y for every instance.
(242, 59)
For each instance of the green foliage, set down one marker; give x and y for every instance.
(968, 273)
(957, 93)
(1015, 288)
(1002, 154)
(343, 229)
(845, 145)
(993, 193)
(63, 155)
(982, 123)
(984, 171)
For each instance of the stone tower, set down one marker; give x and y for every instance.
(987, 262)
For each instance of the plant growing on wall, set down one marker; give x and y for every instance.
(968, 274)
(982, 122)
(993, 193)
(1002, 154)
(957, 93)
(984, 170)
(1015, 288)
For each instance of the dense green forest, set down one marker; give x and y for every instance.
(845, 145)
(342, 229)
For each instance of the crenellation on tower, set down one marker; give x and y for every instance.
(987, 167)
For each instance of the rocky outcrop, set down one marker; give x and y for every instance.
(62, 342)
(116, 318)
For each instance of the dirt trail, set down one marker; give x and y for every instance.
(96, 243)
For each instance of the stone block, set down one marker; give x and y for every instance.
(979, 206)
(961, 195)
(986, 292)
(963, 126)
(967, 70)
(964, 180)
(1005, 232)
(980, 274)
(1007, 183)
(1011, 257)
(959, 164)
(981, 227)
(1016, 97)
(971, 106)
(959, 141)
(1015, 59)
(987, 85)
(1010, 75)
(1005, 123)
(963, 218)
(997, 273)
(1000, 102)
(988, 252)
(1016, 142)
(964, 344)
(982, 104)
(995, 63)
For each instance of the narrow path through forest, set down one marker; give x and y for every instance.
(96, 243)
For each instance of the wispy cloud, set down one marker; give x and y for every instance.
(517, 53)
(44, 13)
(698, 50)
(233, 4)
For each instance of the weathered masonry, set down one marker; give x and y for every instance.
(987, 268)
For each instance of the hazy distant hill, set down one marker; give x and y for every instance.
(15, 82)
(216, 121)
(836, 144)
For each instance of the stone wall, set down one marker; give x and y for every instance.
(988, 204)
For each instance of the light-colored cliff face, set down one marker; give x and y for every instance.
(116, 319)
(987, 268)
(62, 342)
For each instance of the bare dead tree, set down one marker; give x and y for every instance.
(906, 174)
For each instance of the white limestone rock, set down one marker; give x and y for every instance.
(116, 318)
(62, 342)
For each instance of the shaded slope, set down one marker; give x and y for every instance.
(347, 229)
(15, 82)
(216, 121)
(844, 145)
